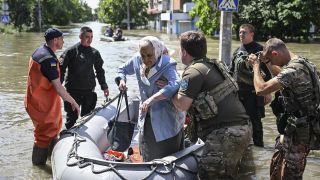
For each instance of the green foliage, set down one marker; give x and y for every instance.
(282, 19)
(59, 12)
(7, 29)
(20, 13)
(81, 13)
(112, 12)
(115, 12)
(208, 18)
(62, 12)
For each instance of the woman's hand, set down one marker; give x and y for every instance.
(122, 85)
(146, 104)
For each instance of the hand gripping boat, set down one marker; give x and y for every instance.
(78, 153)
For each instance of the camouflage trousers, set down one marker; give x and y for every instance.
(223, 152)
(289, 162)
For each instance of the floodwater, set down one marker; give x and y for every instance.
(16, 129)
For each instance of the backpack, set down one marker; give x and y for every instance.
(314, 120)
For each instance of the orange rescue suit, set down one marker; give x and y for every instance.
(41, 101)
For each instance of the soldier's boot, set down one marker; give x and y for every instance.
(39, 155)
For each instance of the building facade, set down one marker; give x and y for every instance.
(172, 16)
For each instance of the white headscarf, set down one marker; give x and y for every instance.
(158, 45)
(159, 48)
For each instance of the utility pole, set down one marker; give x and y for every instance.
(171, 16)
(225, 37)
(39, 16)
(226, 7)
(128, 14)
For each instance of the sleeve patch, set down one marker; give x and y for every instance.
(53, 63)
(184, 84)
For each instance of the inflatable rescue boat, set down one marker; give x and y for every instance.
(79, 151)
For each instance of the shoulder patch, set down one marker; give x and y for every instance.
(53, 63)
(184, 84)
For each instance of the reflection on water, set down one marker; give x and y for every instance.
(16, 136)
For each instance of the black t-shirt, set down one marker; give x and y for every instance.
(49, 69)
(48, 62)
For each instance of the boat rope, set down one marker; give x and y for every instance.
(73, 152)
(169, 167)
(112, 167)
(90, 115)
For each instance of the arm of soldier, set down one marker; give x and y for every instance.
(264, 68)
(173, 81)
(190, 87)
(267, 99)
(274, 70)
(64, 94)
(264, 88)
(261, 86)
(181, 102)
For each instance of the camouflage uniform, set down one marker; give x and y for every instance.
(217, 117)
(300, 98)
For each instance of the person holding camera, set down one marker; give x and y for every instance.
(298, 84)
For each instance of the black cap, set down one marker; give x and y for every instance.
(52, 33)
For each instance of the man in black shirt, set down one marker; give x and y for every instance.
(80, 60)
(243, 74)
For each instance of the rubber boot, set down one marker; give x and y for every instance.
(39, 155)
(51, 146)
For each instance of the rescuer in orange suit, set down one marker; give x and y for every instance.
(42, 100)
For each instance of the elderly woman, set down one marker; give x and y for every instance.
(160, 124)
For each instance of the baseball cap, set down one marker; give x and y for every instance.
(52, 33)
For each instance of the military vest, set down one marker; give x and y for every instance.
(205, 105)
(303, 98)
(301, 104)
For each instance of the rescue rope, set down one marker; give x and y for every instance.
(83, 162)
(155, 165)
(90, 115)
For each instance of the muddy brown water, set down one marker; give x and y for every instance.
(16, 129)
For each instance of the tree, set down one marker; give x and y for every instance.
(82, 12)
(208, 17)
(115, 12)
(53, 12)
(57, 12)
(20, 12)
(282, 19)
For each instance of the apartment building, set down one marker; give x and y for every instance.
(172, 16)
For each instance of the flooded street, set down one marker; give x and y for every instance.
(16, 129)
